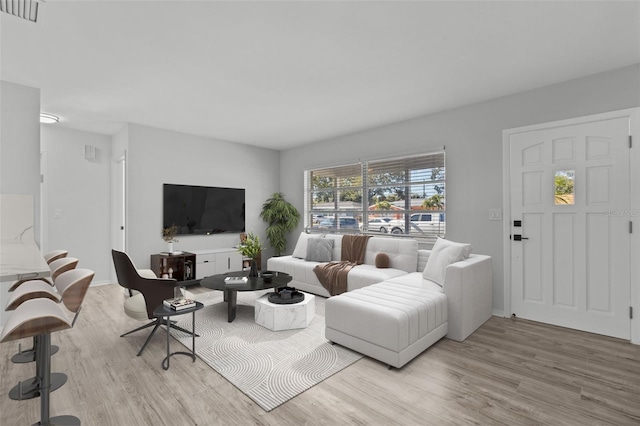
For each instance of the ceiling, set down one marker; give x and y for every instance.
(284, 74)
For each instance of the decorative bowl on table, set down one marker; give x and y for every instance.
(285, 296)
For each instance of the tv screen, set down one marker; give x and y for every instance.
(203, 210)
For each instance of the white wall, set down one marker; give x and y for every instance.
(20, 144)
(157, 156)
(472, 136)
(83, 190)
(80, 190)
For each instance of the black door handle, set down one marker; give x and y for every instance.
(518, 237)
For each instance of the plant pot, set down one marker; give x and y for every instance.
(254, 269)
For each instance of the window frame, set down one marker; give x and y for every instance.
(396, 177)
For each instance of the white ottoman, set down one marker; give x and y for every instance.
(388, 322)
(285, 317)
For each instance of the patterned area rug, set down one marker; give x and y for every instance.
(270, 367)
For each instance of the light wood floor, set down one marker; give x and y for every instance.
(511, 372)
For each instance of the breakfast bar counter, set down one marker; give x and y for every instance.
(19, 260)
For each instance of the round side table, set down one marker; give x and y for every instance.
(166, 312)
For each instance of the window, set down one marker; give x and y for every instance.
(402, 196)
(333, 199)
(564, 182)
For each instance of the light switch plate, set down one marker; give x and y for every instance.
(495, 214)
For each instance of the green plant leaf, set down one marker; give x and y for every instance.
(282, 217)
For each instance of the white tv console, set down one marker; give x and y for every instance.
(216, 261)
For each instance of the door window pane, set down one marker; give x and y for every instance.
(563, 182)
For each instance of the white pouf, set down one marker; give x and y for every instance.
(277, 317)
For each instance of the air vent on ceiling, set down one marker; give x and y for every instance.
(25, 9)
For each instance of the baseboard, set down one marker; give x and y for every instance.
(102, 282)
(498, 313)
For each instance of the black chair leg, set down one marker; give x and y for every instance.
(150, 336)
(157, 323)
(139, 328)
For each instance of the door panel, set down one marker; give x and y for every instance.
(572, 266)
(532, 255)
(564, 259)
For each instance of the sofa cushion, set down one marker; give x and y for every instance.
(135, 307)
(364, 275)
(382, 260)
(300, 251)
(444, 253)
(337, 246)
(403, 253)
(319, 249)
(299, 269)
(415, 279)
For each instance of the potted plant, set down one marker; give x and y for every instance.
(169, 235)
(282, 217)
(251, 248)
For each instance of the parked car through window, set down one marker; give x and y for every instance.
(343, 223)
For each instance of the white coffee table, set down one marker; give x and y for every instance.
(277, 317)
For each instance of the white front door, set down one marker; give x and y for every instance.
(570, 194)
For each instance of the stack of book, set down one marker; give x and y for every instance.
(235, 280)
(179, 303)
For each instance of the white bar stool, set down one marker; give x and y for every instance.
(40, 317)
(70, 289)
(57, 267)
(55, 255)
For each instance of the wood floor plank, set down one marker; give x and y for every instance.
(508, 372)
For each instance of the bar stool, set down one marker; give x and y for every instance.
(69, 281)
(57, 267)
(70, 288)
(55, 255)
(40, 317)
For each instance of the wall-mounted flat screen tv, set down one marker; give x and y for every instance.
(203, 210)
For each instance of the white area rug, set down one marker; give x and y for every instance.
(270, 367)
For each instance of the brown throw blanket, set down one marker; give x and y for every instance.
(333, 275)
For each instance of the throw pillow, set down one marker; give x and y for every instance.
(466, 251)
(382, 260)
(301, 246)
(319, 249)
(466, 247)
(443, 254)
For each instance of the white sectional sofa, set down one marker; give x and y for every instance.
(394, 314)
(403, 258)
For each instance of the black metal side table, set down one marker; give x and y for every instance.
(166, 312)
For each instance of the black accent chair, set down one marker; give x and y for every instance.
(149, 288)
